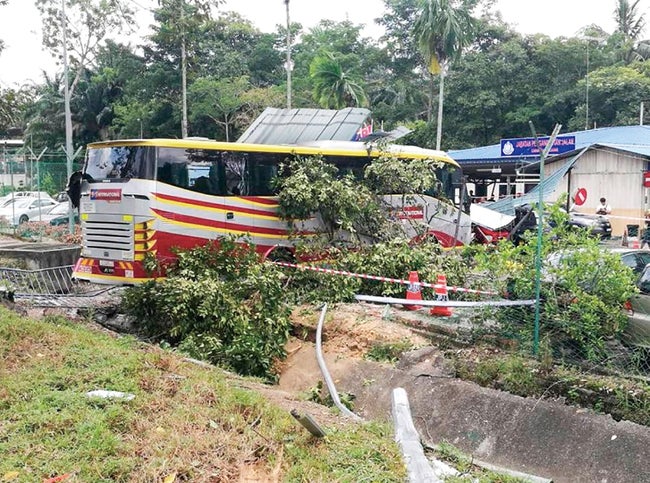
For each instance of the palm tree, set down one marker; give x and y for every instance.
(333, 88)
(629, 27)
(442, 30)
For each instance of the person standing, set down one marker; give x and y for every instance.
(603, 208)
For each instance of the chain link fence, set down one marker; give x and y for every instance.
(22, 169)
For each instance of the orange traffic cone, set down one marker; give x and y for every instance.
(413, 291)
(441, 296)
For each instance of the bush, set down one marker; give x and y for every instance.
(220, 304)
(581, 299)
(392, 259)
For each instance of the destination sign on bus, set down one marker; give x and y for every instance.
(106, 194)
(522, 147)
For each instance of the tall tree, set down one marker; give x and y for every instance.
(357, 56)
(630, 24)
(178, 18)
(74, 30)
(334, 88)
(443, 28)
(218, 100)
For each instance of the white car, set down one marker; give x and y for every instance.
(19, 195)
(26, 209)
(59, 212)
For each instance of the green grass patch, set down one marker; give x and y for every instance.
(622, 398)
(388, 351)
(185, 422)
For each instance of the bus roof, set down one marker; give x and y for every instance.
(341, 148)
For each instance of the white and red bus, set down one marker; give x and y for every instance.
(144, 198)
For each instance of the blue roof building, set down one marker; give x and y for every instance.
(634, 139)
(611, 162)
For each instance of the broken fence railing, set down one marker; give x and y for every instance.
(45, 281)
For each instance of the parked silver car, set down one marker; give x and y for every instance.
(638, 309)
(637, 332)
(26, 209)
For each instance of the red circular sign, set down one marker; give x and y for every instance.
(581, 197)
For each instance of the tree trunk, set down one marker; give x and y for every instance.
(430, 106)
(441, 97)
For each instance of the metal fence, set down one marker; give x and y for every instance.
(28, 171)
(51, 287)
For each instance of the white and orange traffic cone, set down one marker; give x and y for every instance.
(413, 291)
(441, 296)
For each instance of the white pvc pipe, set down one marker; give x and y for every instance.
(323, 369)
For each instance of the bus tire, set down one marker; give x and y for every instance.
(281, 254)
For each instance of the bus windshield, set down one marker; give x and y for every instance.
(121, 162)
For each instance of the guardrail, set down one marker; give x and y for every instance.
(45, 281)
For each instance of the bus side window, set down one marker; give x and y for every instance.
(235, 170)
(262, 169)
(349, 165)
(172, 167)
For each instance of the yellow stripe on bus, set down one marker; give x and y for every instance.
(278, 149)
(232, 209)
(224, 230)
(84, 276)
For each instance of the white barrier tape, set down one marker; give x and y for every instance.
(633, 218)
(331, 271)
(439, 303)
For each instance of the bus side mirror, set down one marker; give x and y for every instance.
(74, 188)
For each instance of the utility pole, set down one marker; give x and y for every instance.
(183, 72)
(66, 93)
(68, 114)
(288, 66)
(587, 91)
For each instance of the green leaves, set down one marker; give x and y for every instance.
(310, 186)
(582, 295)
(220, 304)
(334, 88)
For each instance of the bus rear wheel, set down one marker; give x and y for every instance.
(281, 254)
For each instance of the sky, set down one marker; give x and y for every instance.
(24, 60)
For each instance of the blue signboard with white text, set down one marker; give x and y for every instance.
(522, 147)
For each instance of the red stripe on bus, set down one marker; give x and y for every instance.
(219, 206)
(253, 230)
(261, 201)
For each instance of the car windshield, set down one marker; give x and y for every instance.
(18, 203)
(60, 209)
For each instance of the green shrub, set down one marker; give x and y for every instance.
(388, 351)
(219, 303)
(581, 299)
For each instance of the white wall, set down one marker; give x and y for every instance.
(609, 173)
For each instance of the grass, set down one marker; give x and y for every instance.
(389, 351)
(622, 398)
(468, 471)
(186, 423)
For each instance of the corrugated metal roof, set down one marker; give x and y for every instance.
(630, 148)
(507, 205)
(294, 126)
(634, 139)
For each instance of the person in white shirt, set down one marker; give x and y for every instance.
(603, 208)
